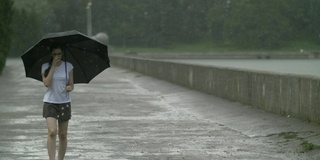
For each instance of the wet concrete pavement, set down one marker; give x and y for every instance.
(123, 115)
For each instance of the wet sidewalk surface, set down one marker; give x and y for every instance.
(124, 115)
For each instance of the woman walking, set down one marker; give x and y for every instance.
(57, 76)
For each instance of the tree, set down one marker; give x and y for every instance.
(215, 20)
(304, 18)
(250, 23)
(194, 23)
(253, 24)
(68, 15)
(6, 12)
(26, 36)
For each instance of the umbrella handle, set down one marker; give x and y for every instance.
(65, 66)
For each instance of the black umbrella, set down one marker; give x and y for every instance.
(88, 56)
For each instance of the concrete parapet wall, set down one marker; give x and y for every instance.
(285, 94)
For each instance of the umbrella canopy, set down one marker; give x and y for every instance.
(88, 56)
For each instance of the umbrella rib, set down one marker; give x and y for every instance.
(78, 63)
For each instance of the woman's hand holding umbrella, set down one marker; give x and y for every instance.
(68, 88)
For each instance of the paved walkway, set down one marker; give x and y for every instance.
(122, 115)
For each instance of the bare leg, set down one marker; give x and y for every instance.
(52, 135)
(63, 141)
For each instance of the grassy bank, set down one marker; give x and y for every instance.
(206, 47)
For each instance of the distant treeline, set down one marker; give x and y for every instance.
(253, 24)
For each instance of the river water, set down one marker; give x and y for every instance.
(308, 67)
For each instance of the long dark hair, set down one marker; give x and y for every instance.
(53, 47)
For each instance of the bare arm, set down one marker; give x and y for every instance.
(47, 80)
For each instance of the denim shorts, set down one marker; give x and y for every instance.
(61, 112)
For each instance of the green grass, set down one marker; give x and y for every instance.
(308, 146)
(204, 47)
(207, 47)
(298, 45)
(288, 135)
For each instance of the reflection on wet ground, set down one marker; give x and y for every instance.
(122, 115)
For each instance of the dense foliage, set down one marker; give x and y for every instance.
(242, 23)
(248, 24)
(5, 30)
(26, 31)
